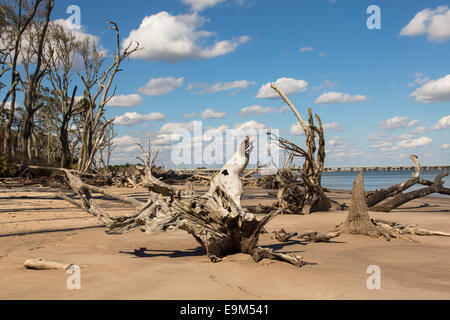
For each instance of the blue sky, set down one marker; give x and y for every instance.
(384, 93)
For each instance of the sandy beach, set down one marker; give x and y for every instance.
(34, 223)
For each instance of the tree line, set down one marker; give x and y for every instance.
(54, 86)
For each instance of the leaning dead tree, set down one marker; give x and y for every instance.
(303, 193)
(396, 195)
(359, 222)
(216, 221)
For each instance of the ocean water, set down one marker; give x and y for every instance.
(377, 179)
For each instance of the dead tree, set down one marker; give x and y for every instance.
(311, 196)
(374, 199)
(215, 221)
(97, 93)
(358, 220)
(19, 23)
(33, 55)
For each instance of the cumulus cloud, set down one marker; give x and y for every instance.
(165, 37)
(287, 85)
(189, 115)
(211, 114)
(445, 146)
(173, 126)
(296, 129)
(411, 143)
(220, 86)
(159, 86)
(125, 100)
(339, 97)
(306, 49)
(250, 125)
(434, 23)
(259, 111)
(130, 118)
(200, 5)
(126, 143)
(332, 126)
(433, 91)
(443, 123)
(398, 122)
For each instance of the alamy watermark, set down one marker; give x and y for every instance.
(374, 281)
(74, 280)
(214, 146)
(374, 20)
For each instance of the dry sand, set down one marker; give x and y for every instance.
(34, 223)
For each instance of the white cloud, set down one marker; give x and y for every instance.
(258, 110)
(287, 85)
(412, 143)
(443, 123)
(211, 114)
(125, 100)
(296, 129)
(433, 91)
(412, 123)
(189, 115)
(306, 49)
(381, 144)
(339, 97)
(164, 37)
(375, 136)
(130, 118)
(332, 126)
(434, 23)
(173, 126)
(396, 122)
(126, 144)
(159, 86)
(250, 125)
(446, 146)
(200, 5)
(220, 86)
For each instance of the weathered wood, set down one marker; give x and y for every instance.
(216, 221)
(284, 236)
(375, 197)
(436, 187)
(359, 222)
(315, 236)
(41, 264)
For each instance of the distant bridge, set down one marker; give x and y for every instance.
(337, 169)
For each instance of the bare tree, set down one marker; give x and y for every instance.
(97, 85)
(19, 22)
(63, 47)
(313, 197)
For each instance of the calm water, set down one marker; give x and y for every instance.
(376, 179)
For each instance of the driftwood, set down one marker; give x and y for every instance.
(41, 264)
(315, 236)
(312, 196)
(358, 220)
(216, 221)
(374, 198)
(284, 236)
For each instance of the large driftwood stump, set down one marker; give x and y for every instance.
(216, 221)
